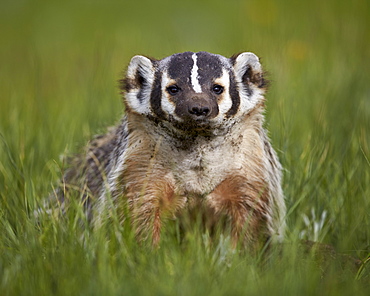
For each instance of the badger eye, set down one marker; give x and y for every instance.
(218, 89)
(173, 89)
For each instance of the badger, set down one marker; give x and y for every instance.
(191, 140)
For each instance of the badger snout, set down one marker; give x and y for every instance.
(198, 109)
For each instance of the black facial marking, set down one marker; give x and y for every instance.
(234, 95)
(209, 68)
(179, 67)
(156, 96)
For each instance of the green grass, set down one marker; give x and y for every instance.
(60, 62)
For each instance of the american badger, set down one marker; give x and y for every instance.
(191, 139)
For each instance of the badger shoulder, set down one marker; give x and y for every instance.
(86, 173)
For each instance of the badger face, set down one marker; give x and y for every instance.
(194, 91)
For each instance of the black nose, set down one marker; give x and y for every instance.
(200, 111)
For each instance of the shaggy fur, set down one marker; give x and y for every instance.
(177, 150)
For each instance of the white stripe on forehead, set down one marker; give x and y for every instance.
(194, 76)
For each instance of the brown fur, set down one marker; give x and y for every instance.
(163, 168)
(246, 205)
(154, 195)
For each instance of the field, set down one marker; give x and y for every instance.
(59, 66)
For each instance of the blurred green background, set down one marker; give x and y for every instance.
(59, 66)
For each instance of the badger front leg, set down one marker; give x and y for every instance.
(150, 203)
(246, 205)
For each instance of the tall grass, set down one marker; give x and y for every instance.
(60, 62)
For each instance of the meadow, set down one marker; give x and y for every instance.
(59, 66)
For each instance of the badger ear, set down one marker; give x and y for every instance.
(140, 73)
(138, 83)
(248, 69)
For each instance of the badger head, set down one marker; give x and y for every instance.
(194, 91)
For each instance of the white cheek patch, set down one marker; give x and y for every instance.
(247, 102)
(194, 75)
(225, 103)
(141, 107)
(166, 104)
